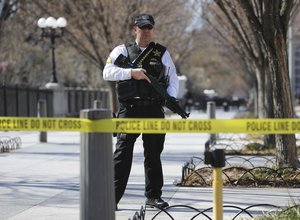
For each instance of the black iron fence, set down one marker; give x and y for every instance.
(22, 101)
(78, 99)
(230, 211)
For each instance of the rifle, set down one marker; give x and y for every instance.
(171, 102)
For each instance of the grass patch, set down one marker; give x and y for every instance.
(291, 213)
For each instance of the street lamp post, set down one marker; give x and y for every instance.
(49, 27)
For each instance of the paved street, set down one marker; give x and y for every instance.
(41, 181)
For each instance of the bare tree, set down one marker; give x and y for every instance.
(214, 66)
(270, 23)
(229, 21)
(232, 25)
(97, 26)
(259, 30)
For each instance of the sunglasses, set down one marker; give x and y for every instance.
(149, 27)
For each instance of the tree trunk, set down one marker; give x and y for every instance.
(269, 139)
(268, 22)
(260, 93)
(265, 102)
(286, 155)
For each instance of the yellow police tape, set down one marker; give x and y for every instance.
(138, 125)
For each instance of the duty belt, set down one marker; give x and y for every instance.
(142, 102)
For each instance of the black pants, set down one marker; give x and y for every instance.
(153, 145)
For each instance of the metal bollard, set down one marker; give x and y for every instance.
(97, 197)
(211, 111)
(216, 159)
(42, 112)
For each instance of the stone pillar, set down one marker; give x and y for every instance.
(60, 104)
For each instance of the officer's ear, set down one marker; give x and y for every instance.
(134, 28)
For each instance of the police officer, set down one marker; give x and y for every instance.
(137, 99)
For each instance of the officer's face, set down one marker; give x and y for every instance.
(144, 33)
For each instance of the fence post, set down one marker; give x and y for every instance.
(42, 112)
(97, 197)
(211, 111)
(97, 104)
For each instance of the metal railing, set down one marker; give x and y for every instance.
(9, 143)
(21, 101)
(235, 211)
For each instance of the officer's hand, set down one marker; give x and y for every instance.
(139, 74)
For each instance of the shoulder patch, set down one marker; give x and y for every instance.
(109, 61)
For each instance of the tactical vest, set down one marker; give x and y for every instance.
(129, 89)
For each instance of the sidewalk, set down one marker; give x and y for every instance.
(41, 181)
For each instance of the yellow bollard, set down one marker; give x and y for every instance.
(217, 194)
(216, 159)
